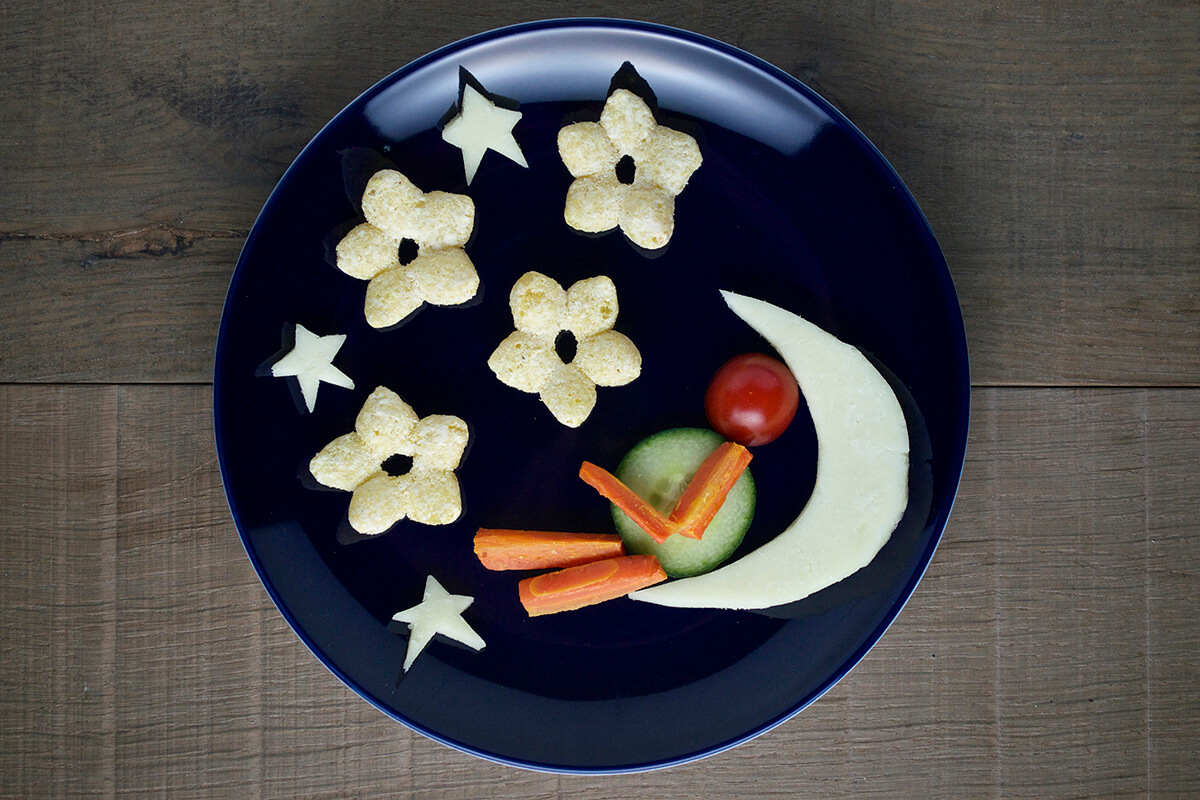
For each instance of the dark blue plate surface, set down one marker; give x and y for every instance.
(791, 205)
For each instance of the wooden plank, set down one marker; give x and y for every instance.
(1050, 146)
(75, 307)
(58, 631)
(118, 121)
(216, 693)
(1055, 566)
(1047, 653)
(191, 655)
(144, 306)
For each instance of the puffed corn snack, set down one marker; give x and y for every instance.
(664, 160)
(387, 426)
(439, 223)
(529, 361)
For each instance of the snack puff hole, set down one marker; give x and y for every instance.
(591, 306)
(585, 149)
(523, 361)
(344, 463)
(439, 441)
(594, 203)
(378, 503)
(609, 358)
(391, 296)
(366, 251)
(390, 204)
(668, 159)
(569, 395)
(649, 217)
(444, 220)
(537, 304)
(627, 120)
(444, 277)
(434, 497)
(385, 422)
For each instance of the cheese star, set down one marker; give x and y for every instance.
(311, 361)
(439, 612)
(480, 126)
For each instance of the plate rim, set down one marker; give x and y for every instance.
(960, 436)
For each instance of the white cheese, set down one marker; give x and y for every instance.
(481, 125)
(438, 612)
(861, 487)
(311, 361)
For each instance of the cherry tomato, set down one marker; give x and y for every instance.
(752, 399)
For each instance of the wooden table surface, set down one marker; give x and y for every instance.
(1050, 650)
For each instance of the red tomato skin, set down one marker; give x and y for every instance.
(752, 399)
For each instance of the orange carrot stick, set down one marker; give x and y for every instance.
(706, 492)
(500, 549)
(646, 516)
(588, 584)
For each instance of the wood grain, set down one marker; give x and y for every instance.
(1047, 653)
(1052, 146)
(58, 630)
(136, 307)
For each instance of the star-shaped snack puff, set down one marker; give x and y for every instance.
(438, 612)
(310, 361)
(528, 358)
(438, 223)
(387, 426)
(481, 125)
(663, 159)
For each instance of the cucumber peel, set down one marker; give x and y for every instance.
(659, 468)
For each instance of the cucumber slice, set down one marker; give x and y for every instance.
(659, 468)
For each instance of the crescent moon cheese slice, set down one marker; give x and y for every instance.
(861, 488)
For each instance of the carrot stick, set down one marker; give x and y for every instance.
(500, 549)
(588, 584)
(706, 492)
(646, 516)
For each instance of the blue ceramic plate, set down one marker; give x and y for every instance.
(792, 205)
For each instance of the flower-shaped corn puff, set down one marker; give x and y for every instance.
(387, 426)
(528, 359)
(663, 161)
(439, 223)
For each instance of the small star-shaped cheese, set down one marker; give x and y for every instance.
(439, 612)
(311, 361)
(481, 125)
